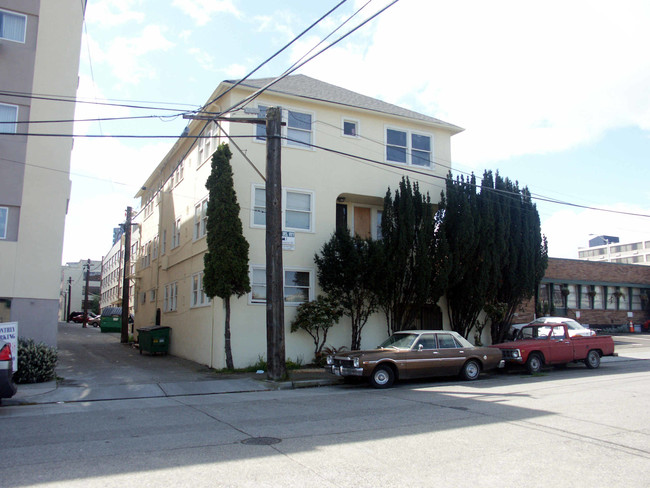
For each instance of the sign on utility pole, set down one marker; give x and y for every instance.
(124, 338)
(275, 353)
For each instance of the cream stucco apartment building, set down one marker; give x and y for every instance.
(40, 42)
(321, 189)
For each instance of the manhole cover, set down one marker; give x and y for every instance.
(261, 441)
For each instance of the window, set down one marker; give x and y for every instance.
(408, 148)
(12, 26)
(296, 209)
(200, 219)
(351, 128)
(176, 234)
(297, 285)
(4, 217)
(297, 131)
(171, 292)
(199, 298)
(8, 118)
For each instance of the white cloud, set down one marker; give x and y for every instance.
(110, 13)
(521, 78)
(203, 10)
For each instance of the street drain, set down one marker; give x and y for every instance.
(261, 441)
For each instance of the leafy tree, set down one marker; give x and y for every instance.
(316, 318)
(414, 270)
(226, 262)
(347, 268)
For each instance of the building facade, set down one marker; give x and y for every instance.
(609, 249)
(40, 43)
(341, 152)
(73, 286)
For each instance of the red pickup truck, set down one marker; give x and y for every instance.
(550, 344)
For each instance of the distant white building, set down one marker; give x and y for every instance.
(609, 249)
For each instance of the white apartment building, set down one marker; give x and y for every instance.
(617, 252)
(40, 41)
(321, 189)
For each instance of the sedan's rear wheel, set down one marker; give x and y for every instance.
(593, 359)
(471, 370)
(382, 377)
(534, 363)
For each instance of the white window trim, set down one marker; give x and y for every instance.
(409, 148)
(202, 221)
(312, 220)
(5, 210)
(204, 299)
(285, 127)
(312, 284)
(354, 121)
(24, 31)
(8, 128)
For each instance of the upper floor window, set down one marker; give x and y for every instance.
(201, 219)
(4, 217)
(297, 130)
(408, 147)
(297, 209)
(12, 26)
(8, 118)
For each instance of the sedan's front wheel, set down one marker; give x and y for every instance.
(382, 377)
(471, 370)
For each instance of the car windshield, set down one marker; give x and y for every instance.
(400, 341)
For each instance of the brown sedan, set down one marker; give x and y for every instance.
(416, 354)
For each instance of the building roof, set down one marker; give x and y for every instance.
(306, 87)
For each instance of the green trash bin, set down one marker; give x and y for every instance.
(154, 339)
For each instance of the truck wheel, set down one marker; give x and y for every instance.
(382, 377)
(534, 363)
(471, 370)
(593, 359)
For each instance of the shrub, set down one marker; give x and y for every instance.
(36, 362)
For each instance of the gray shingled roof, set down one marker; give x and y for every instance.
(306, 87)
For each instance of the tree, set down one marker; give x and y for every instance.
(347, 268)
(316, 318)
(414, 271)
(226, 262)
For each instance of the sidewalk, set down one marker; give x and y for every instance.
(93, 366)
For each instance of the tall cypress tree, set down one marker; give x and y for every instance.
(226, 262)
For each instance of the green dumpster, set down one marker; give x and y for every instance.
(154, 339)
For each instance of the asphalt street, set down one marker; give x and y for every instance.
(571, 427)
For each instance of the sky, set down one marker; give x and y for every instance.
(552, 94)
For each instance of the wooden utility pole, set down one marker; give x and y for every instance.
(275, 353)
(124, 338)
(85, 324)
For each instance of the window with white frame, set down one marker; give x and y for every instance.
(298, 128)
(350, 128)
(297, 209)
(171, 292)
(408, 147)
(12, 26)
(199, 298)
(201, 219)
(8, 118)
(4, 220)
(297, 285)
(176, 234)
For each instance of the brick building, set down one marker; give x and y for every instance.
(595, 293)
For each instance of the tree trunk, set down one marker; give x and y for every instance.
(229, 362)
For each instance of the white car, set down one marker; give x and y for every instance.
(575, 328)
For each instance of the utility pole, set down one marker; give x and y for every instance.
(275, 352)
(86, 295)
(124, 338)
(69, 297)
